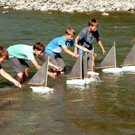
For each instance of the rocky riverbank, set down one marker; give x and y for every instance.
(70, 5)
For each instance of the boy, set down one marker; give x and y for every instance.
(3, 56)
(54, 48)
(87, 35)
(20, 52)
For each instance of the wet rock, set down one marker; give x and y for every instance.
(105, 14)
(5, 12)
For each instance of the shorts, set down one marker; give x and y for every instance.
(57, 61)
(81, 51)
(18, 65)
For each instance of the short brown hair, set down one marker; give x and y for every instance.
(4, 52)
(93, 22)
(39, 46)
(70, 31)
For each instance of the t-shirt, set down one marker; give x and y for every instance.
(0, 66)
(21, 51)
(55, 46)
(86, 38)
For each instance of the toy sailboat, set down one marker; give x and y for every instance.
(129, 62)
(39, 80)
(109, 62)
(79, 74)
(89, 57)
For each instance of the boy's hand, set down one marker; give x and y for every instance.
(104, 52)
(86, 50)
(59, 68)
(16, 83)
(76, 55)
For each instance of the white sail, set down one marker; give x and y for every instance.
(130, 58)
(76, 71)
(80, 68)
(110, 59)
(41, 76)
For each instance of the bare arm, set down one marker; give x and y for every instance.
(79, 46)
(101, 45)
(83, 48)
(75, 49)
(10, 78)
(69, 52)
(34, 62)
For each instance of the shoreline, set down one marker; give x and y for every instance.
(70, 6)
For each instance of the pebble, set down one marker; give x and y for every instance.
(70, 5)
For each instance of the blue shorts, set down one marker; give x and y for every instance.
(81, 52)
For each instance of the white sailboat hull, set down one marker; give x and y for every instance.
(128, 69)
(41, 89)
(94, 77)
(92, 73)
(79, 81)
(112, 70)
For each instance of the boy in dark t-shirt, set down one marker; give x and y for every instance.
(87, 35)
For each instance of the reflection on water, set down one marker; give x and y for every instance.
(102, 108)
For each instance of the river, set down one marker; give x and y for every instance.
(102, 108)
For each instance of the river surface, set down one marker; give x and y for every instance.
(102, 108)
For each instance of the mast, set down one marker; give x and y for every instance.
(46, 79)
(81, 76)
(115, 55)
(92, 59)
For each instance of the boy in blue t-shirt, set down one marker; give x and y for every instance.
(55, 47)
(3, 56)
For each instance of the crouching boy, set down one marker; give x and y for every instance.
(19, 53)
(3, 56)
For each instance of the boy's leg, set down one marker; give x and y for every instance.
(52, 59)
(61, 64)
(25, 66)
(19, 77)
(19, 67)
(53, 75)
(25, 75)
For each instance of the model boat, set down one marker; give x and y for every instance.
(39, 80)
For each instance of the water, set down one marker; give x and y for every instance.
(104, 108)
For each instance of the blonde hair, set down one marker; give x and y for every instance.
(93, 22)
(70, 31)
(4, 52)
